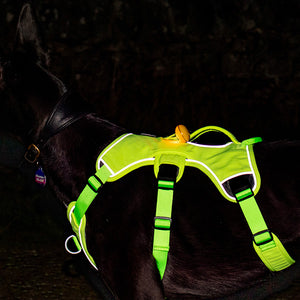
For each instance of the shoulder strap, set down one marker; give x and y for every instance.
(90, 192)
(76, 211)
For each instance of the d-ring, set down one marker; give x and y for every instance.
(74, 238)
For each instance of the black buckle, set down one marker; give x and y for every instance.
(168, 172)
(162, 218)
(32, 153)
(261, 232)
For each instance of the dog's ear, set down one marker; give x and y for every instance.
(28, 39)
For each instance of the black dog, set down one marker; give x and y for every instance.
(210, 256)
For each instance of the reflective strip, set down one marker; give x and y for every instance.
(82, 240)
(144, 162)
(209, 146)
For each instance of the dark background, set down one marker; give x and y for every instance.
(146, 65)
(150, 65)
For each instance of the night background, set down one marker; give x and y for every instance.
(148, 66)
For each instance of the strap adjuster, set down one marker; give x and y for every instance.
(243, 195)
(95, 183)
(162, 223)
(263, 240)
(165, 185)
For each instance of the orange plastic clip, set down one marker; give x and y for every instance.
(182, 134)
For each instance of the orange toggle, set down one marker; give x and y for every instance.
(182, 134)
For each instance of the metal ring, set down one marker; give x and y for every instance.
(66, 245)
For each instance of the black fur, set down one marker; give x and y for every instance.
(211, 255)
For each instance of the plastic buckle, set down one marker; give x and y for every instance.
(95, 183)
(260, 233)
(162, 227)
(32, 153)
(243, 195)
(165, 185)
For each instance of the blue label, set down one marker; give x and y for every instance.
(40, 177)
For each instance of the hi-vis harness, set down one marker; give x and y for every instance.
(221, 163)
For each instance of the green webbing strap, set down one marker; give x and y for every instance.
(266, 244)
(162, 224)
(90, 192)
(76, 210)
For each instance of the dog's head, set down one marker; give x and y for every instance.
(28, 90)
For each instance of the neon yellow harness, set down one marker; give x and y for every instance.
(220, 163)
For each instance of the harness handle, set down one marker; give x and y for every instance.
(207, 129)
